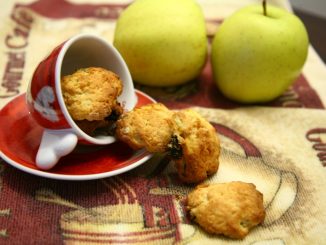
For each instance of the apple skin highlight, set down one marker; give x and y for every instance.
(255, 58)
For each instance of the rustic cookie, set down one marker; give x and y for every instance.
(199, 144)
(231, 209)
(149, 127)
(187, 138)
(91, 93)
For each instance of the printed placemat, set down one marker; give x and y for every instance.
(279, 146)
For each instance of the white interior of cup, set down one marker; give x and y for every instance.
(88, 50)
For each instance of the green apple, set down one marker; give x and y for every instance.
(257, 55)
(162, 41)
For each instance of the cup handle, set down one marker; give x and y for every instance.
(54, 145)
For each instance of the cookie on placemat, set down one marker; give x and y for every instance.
(91, 93)
(231, 209)
(199, 144)
(149, 127)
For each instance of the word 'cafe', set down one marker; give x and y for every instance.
(16, 41)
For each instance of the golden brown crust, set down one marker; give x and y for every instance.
(149, 127)
(91, 93)
(231, 209)
(200, 146)
(153, 127)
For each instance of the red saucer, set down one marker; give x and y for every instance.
(20, 138)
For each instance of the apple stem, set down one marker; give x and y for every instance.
(264, 7)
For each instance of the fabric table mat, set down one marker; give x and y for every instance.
(279, 146)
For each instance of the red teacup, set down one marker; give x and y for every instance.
(46, 103)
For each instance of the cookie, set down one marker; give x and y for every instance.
(199, 144)
(187, 138)
(91, 93)
(230, 209)
(149, 127)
